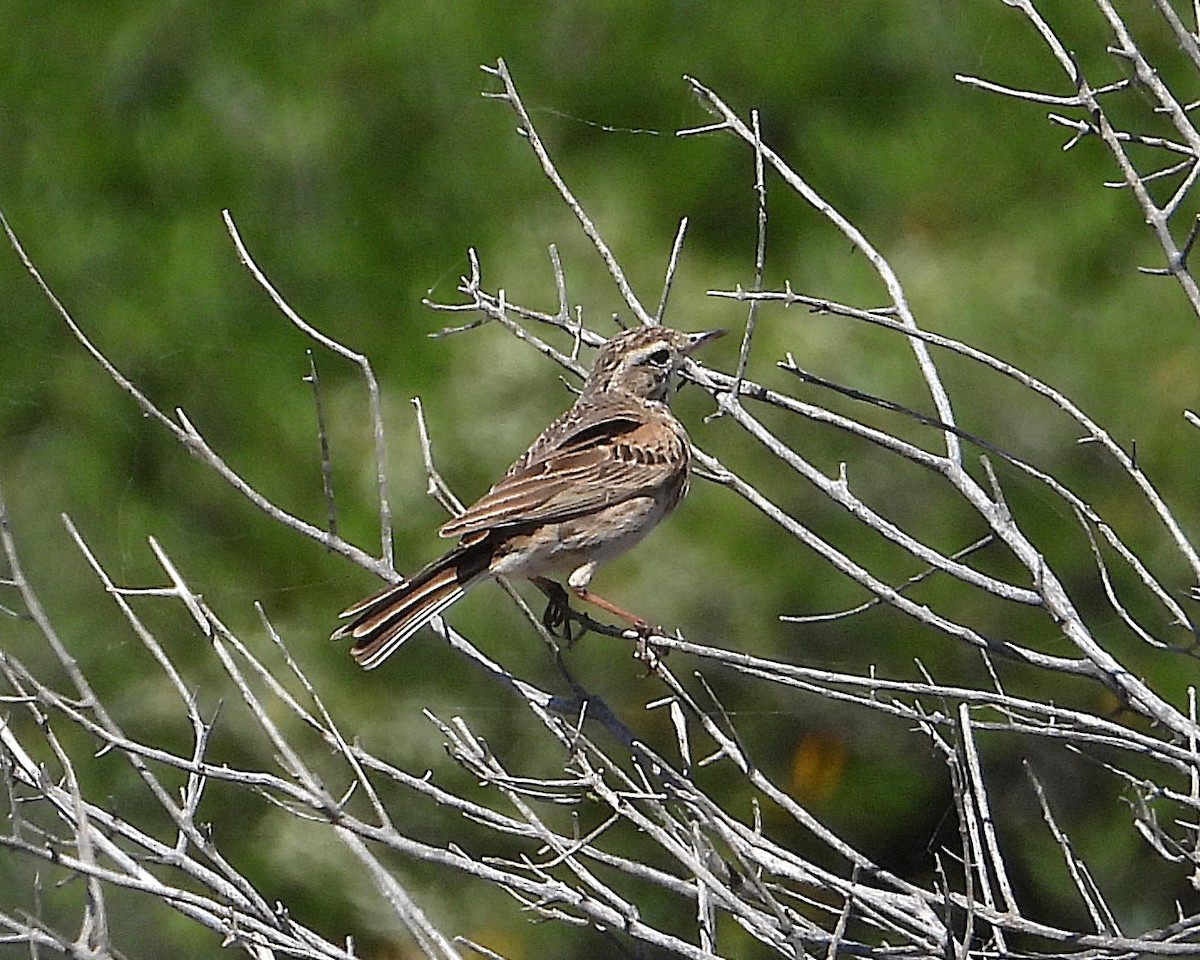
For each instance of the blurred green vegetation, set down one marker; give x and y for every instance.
(352, 145)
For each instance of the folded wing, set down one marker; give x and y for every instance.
(598, 464)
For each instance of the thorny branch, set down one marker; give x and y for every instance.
(695, 850)
(1093, 101)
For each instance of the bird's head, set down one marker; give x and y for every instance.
(642, 361)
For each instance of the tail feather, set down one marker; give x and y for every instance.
(382, 622)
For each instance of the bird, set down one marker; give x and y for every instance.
(599, 478)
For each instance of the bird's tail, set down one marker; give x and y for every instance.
(384, 620)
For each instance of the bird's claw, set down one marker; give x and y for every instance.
(558, 616)
(644, 651)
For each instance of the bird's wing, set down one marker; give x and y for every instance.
(601, 461)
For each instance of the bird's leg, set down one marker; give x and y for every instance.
(641, 626)
(559, 613)
(558, 610)
(578, 582)
(645, 631)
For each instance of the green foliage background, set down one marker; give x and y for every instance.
(352, 145)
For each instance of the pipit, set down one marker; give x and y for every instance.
(592, 485)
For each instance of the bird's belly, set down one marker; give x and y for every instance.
(561, 547)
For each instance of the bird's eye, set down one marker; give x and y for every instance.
(660, 357)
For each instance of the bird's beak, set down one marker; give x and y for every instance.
(696, 340)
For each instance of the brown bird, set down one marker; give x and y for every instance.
(596, 481)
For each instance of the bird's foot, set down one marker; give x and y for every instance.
(558, 616)
(646, 652)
